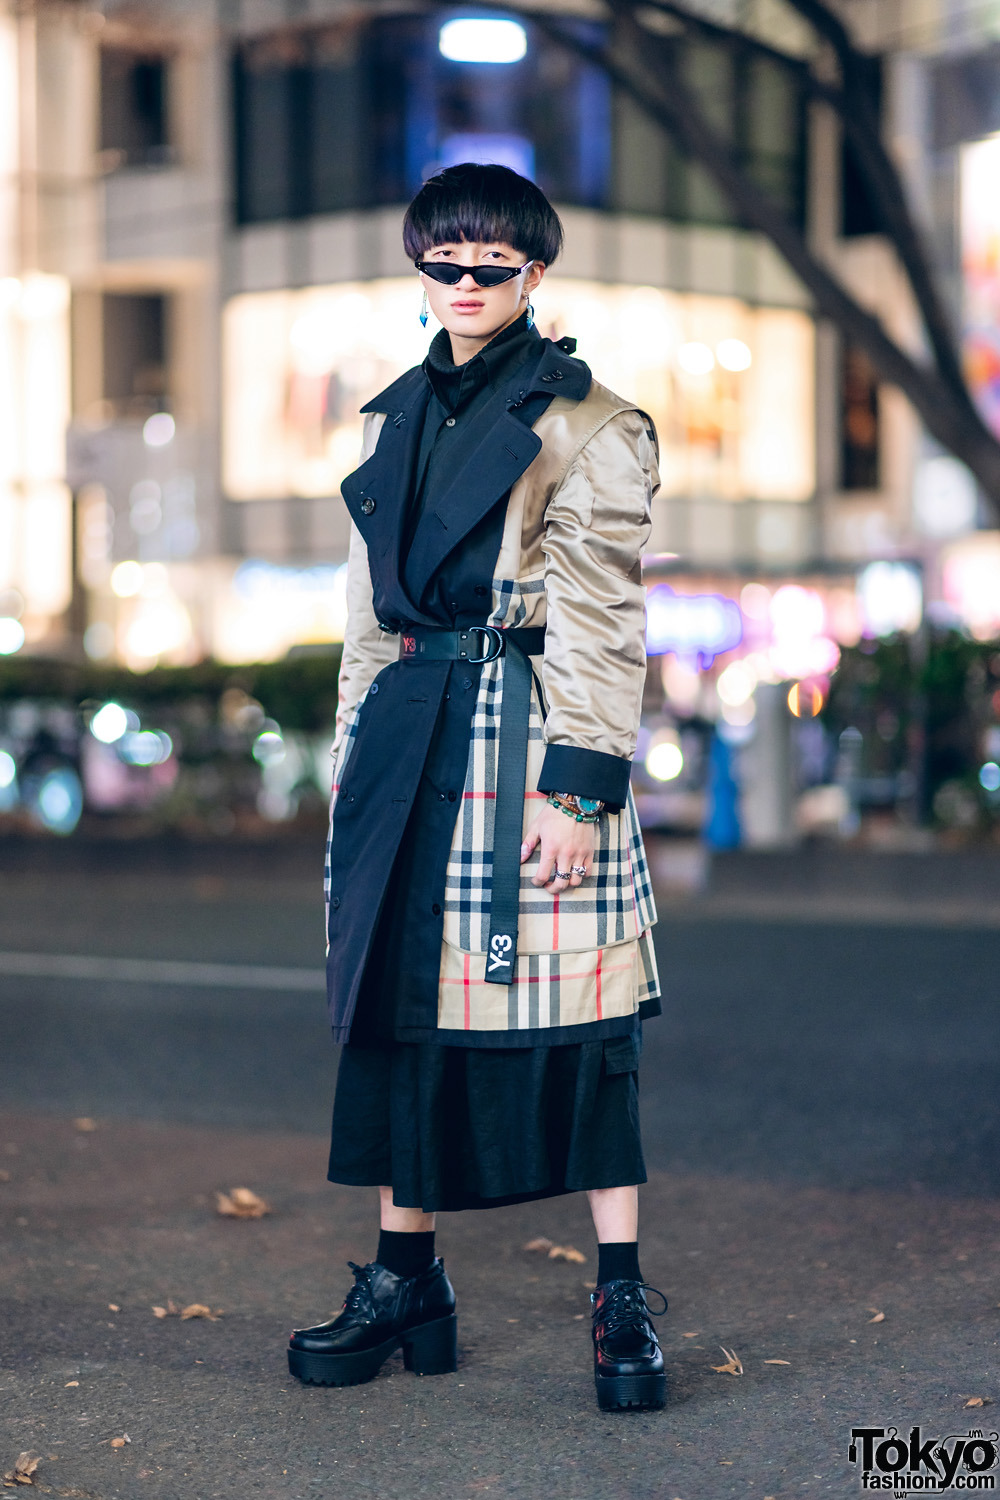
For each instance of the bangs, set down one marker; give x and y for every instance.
(485, 205)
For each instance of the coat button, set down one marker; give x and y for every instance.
(440, 796)
(334, 902)
(436, 909)
(367, 505)
(449, 421)
(452, 796)
(480, 591)
(373, 688)
(467, 683)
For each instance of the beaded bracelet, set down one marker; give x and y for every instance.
(570, 805)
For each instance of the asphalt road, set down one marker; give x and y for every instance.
(822, 1120)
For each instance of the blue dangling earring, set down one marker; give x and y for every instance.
(423, 310)
(531, 316)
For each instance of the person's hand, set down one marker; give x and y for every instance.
(564, 846)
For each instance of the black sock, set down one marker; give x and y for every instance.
(618, 1261)
(405, 1254)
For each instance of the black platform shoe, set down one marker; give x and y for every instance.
(382, 1312)
(628, 1363)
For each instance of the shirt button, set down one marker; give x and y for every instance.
(480, 591)
(449, 421)
(367, 506)
(436, 910)
(335, 902)
(440, 796)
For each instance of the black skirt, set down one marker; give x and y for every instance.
(453, 1128)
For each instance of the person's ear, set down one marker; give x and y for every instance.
(535, 275)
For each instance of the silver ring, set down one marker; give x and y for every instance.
(578, 869)
(561, 875)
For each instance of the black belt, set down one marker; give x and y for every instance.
(421, 644)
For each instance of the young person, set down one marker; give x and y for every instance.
(490, 953)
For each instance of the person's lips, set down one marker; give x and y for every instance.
(467, 306)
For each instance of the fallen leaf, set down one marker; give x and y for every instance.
(879, 1316)
(120, 1442)
(979, 1401)
(199, 1310)
(241, 1203)
(113, 1307)
(568, 1252)
(4, 1176)
(690, 1335)
(159, 1312)
(23, 1470)
(541, 1243)
(777, 1361)
(69, 1383)
(85, 1124)
(590, 1285)
(733, 1365)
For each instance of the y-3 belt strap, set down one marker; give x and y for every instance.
(484, 643)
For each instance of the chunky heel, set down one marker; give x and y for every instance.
(433, 1348)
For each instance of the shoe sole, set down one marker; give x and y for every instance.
(431, 1349)
(631, 1392)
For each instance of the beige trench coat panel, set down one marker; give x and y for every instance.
(577, 521)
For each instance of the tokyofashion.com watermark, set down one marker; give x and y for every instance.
(918, 1465)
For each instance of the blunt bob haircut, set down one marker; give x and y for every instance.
(482, 205)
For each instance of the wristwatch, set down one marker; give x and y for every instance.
(583, 809)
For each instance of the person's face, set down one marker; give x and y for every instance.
(478, 312)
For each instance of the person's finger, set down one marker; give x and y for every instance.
(531, 839)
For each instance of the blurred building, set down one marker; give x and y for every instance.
(202, 277)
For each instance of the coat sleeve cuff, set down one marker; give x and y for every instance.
(586, 773)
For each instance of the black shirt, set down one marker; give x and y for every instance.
(459, 396)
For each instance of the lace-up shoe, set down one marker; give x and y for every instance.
(382, 1312)
(628, 1362)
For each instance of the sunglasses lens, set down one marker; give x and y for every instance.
(492, 275)
(442, 272)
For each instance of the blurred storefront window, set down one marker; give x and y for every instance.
(358, 113)
(729, 386)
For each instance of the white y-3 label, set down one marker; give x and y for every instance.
(500, 944)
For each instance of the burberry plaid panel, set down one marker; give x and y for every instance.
(613, 905)
(548, 989)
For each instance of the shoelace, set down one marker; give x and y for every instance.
(624, 1306)
(361, 1297)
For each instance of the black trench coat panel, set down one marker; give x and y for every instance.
(540, 523)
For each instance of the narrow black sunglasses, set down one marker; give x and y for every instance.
(450, 275)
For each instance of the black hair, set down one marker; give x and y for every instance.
(483, 204)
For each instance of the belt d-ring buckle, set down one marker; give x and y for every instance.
(497, 644)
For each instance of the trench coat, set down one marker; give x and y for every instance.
(567, 471)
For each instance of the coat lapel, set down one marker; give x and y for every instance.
(376, 493)
(506, 450)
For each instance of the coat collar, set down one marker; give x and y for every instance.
(557, 373)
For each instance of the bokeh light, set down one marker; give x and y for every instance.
(733, 354)
(805, 699)
(989, 776)
(11, 636)
(109, 723)
(696, 358)
(477, 40)
(158, 430)
(126, 579)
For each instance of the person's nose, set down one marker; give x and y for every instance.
(468, 283)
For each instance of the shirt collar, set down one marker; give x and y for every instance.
(494, 363)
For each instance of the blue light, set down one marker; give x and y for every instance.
(59, 801)
(513, 151)
(989, 776)
(696, 627)
(478, 40)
